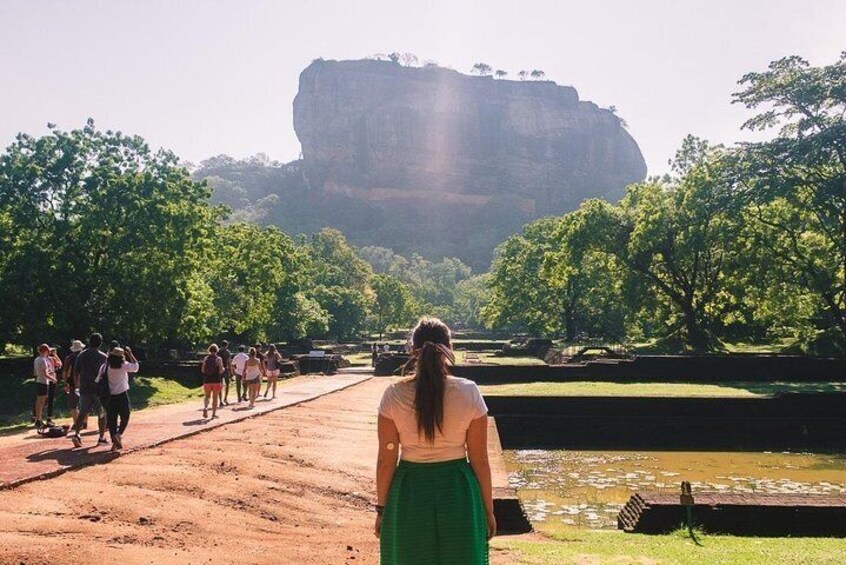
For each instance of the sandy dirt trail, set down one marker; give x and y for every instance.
(291, 486)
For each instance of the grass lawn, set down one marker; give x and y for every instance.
(736, 389)
(593, 546)
(18, 395)
(515, 361)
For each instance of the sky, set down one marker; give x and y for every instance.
(205, 77)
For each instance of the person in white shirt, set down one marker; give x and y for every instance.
(44, 367)
(434, 507)
(119, 364)
(238, 363)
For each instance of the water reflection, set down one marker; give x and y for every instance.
(588, 488)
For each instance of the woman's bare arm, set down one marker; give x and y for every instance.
(477, 452)
(386, 464)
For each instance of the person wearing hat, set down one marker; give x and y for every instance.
(71, 387)
(116, 369)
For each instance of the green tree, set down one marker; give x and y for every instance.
(795, 184)
(678, 234)
(342, 282)
(518, 299)
(481, 69)
(471, 296)
(101, 232)
(393, 303)
(261, 286)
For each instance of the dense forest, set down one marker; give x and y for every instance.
(741, 243)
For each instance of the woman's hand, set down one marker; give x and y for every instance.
(491, 525)
(377, 528)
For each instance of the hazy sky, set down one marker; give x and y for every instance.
(204, 77)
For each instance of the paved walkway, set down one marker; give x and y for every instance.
(27, 456)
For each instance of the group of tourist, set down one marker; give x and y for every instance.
(95, 383)
(248, 367)
(376, 349)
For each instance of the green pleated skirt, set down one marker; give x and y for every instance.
(434, 515)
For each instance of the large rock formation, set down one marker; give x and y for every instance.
(408, 137)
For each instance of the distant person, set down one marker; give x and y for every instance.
(273, 366)
(86, 369)
(44, 366)
(374, 354)
(69, 381)
(434, 507)
(226, 357)
(238, 363)
(119, 364)
(212, 369)
(253, 371)
(386, 348)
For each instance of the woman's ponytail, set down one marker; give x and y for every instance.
(432, 357)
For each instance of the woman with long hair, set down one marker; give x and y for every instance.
(435, 507)
(253, 372)
(272, 364)
(120, 362)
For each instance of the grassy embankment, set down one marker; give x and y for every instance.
(734, 389)
(571, 546)
(17, 396)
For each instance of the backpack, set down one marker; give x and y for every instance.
(210, 366)
(54, 431)
(103, 389)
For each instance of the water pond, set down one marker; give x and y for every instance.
(587, 489)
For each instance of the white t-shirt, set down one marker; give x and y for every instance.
(239, 361)
(463, 403)
(44, 370)
(119, 378)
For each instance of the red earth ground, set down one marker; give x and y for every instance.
(291, 486)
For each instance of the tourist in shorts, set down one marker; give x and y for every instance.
(435, 506)
(253, 372)
(44, 367)
(85, 371)
(212, 369)
(238, 362)
(226, 357)
(119, 364)
(272, 364)
(71, 387)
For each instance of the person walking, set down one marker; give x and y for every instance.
(273, 365)
(434, 507)
(68, 378)
(86, 368)
(212, 369)
(238, 363)
(116, 369)
(253, 372)
(44, 366)
(226, 357)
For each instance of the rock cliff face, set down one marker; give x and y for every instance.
(379, 132)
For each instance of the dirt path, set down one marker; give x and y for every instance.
(28, 456)
(291, 486)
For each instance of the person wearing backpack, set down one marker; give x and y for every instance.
(212, 368)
